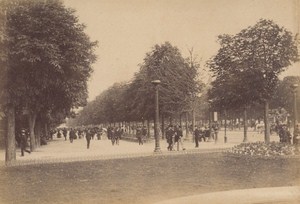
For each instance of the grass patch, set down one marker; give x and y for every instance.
(142, 180)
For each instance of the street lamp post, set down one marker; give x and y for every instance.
(192, 96)
(294, 90)
(156, 118)
(210, 120)
(225, 127)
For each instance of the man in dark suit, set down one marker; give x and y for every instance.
(72, 135)
(88, 137)
(178, 137)
(139, 135)
(169, 136)
(144, 132)
(23, 142)
(197, 134)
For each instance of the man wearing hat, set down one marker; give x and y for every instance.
(169, 136)
(197, 134)
(23, 144)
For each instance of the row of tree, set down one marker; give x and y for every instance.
(46, 60)
(245, 75)
(247, 66)
(134, 101)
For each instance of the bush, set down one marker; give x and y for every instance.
(265, 149)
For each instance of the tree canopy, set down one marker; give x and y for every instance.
(247, 65)
(134, 101)
(47, 58)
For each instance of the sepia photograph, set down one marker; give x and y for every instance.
(150, 101)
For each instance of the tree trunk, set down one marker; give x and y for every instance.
(225, 127)
(210, 138)
(10, 153)
(148, 128)
(129, 130)
(180, 120)
(45, 131)
(193, 120)
(38, 132)
(186, 125)
(31, 120)
(267, 125)
(163, 126)
(245, 125)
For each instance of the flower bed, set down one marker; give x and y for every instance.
(272, 149)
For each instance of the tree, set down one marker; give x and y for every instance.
(283, 96)
(178, 81)
(133, 101)
(49, 59)
(248, 64)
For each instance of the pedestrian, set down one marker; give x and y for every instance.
(197, 133)
(58, 135)
(207, 133)
(92, 131)
(139, 135)
(112, 136)
(109, 132)
(202, 135)
(88, 136)
(79, 133)
(169, 136)
(23, 142)
(215, 128)
(144, 132)
(178, 138)
(98, 133)
(118, 134)
(296, 137)
(65, 133)
(285, 135)
(72, 135)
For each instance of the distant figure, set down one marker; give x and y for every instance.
(80, 133)
(202, 135)
(112, 136)
(296, 138)
(284, 135)
(58, 135)
(118, 135)
(206, 133)
(215, 129)
(98, 133)
(88, 137)
(65, 133)
(197, 135)
(109, 132)
(139, 135)
(178, 138)
(169, 136)
(260, 127)
(23, 142)
(72, 135)
(144, 132)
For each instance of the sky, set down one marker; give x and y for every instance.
(127, 29)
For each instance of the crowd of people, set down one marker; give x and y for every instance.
(78, 133)
(141, 133)
(173, 135)
(115, 134)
